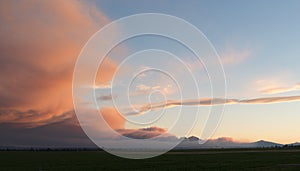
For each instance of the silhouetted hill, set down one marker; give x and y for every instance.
(192, 142)
(265, 144)
(294, 144)
(224, 142)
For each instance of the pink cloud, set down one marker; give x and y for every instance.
(208, 102)
(39, 44)
(113, 118)
(232, 56)
(117, 122)
(278, 89)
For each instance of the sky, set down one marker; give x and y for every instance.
(257, 42)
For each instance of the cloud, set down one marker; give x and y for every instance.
(143, 133)
(32, 118)
(226, 140)
(280, 82)
(106, 97)
(223, 139)
(232, 56)
(59, 134)
(117, 122)
(209, 102)
(143, 89)
(105, 73)
(276, 90)
(113, 118)
(267, 100)
(153, 132)
(174, 103)
(39, 44)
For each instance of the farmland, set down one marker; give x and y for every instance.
(226, 159)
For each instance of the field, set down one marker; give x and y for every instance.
(254, 159)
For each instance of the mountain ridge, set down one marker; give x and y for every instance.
(191, 142)
(227, 142)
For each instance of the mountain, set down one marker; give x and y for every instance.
(223, 142)
(193, 138)
(294, 144)
(266, 144)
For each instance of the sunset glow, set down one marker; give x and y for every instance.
(41, 42)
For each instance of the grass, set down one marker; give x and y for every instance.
(256, 159)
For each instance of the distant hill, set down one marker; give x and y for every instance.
(266, 144)
(294, 144)
(192, 142)
(225, 142)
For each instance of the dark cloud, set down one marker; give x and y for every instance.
(59, 134)
(145, 133)
(117, 122)
(106, 97)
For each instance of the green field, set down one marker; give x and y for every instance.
(256, 159)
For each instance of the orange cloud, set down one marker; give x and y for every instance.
(276, 90)
(209, 102)
(40, 41)
(223, 139)
(105, 72)
(276, 83)
(117, 122)
(112, 117)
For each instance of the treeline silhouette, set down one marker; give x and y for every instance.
(49, 149)
(287, 146)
